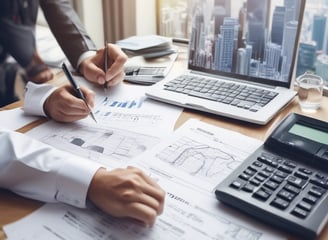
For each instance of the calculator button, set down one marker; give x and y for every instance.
(257, 164)
(281, 174)
(285, 169)
(252, 168)
(280, 203)
(310, 199)
(290, 164)
(249, 172)
(272, 185)
(277, 179)
(316, 191)
(305, 206)
(248, 188)
(292, 189)
(297, 182)
(260, 178)
(269, 161)
(320, 176)
(305, 170)
(269, 169)
(286, 195)
(265, 174)
(262, 194)
(237, 184)
(321, 183)
(255, 182)
(298, 212)
(301, 175)
(245, 176)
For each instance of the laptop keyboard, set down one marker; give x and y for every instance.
(238, 95)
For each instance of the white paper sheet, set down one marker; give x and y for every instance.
(199, 155)
(191, 210)
(14, 119)
(109, 146)
(126, 106)
(128, 125)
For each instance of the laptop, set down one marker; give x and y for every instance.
(241, 61)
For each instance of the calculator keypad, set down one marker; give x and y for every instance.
(286, 185)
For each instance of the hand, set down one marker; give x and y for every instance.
(93, 68)
(127, 193)
(37, 71)
(63, 105)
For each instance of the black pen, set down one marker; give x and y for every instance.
(77, 89)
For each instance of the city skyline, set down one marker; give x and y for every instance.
(259, 43)
(175, 21)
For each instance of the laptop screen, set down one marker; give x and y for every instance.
(253, 40)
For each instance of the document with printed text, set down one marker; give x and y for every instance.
(187, 165)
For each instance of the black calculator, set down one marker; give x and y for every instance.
(285, 181)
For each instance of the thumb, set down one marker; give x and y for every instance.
(94, 74)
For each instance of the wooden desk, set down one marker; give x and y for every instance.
(13, 207)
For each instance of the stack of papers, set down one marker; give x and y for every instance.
(140, 45)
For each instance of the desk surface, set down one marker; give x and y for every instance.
(13, 207)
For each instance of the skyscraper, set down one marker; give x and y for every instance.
(322, 67)
(257, 14)
(278, 22)
(318, 31)
(288, 46)
(226, 44)
(306, 57)
(292, 10)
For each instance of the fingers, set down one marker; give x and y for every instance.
(63, 106)
(150, 189)
(127, 193)
(115, 80)
(93, 68)
(142, 213)
(115, 72)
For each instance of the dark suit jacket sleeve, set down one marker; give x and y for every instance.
(67, 29)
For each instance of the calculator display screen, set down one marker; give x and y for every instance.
(309, 133)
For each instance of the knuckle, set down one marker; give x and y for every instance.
(128, 195)
(150, 217)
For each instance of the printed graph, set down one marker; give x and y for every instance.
(102, 145)
(208, 163)
(127, 103)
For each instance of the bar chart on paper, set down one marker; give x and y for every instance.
(127, 111)
(133, 103)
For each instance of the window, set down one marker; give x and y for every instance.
(174, 21)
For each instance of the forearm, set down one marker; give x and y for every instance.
(38, 171)
(67, 28)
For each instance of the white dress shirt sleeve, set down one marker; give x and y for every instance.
(38, 171)
(84, 56)
(35, 96)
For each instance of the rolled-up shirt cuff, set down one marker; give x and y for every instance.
(35, 96)
(74, 182)
(84, 56)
